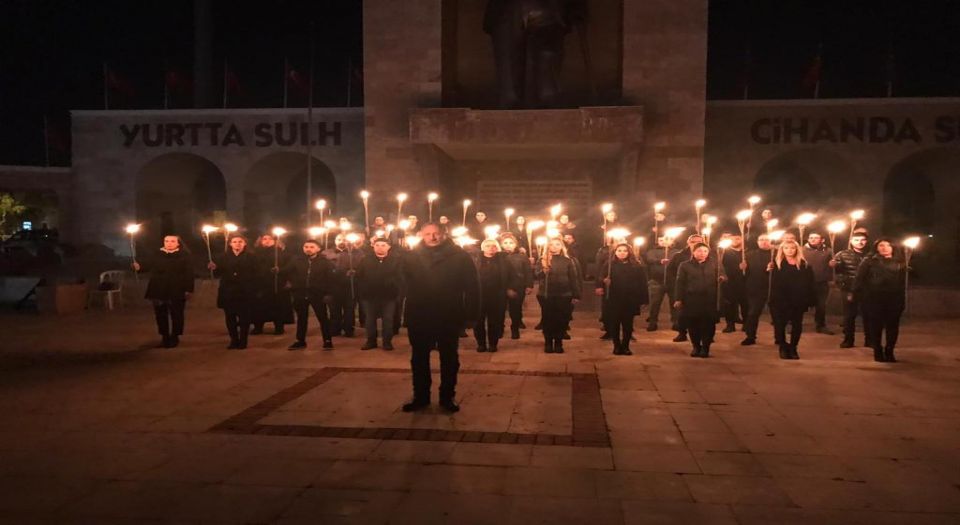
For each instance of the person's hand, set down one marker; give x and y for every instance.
(677, 305)
(574, 300)
(607, 281)
(598, 292)
(351, 273)
(743, 266)
(529, 291)
(512, 294)
(187, 295)
(211, 265)
(533, 260)
(769, 266)
(722, 278)
(275, 269)
(546, 269)
(136, 266)
(832, 263)
(664, 262)
(849, 297)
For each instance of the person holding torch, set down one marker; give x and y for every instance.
(880, 287)
(792, 292)
(845, 265)
(625, 288)
(697, 292)
(237, 270)
(559, 289)
(310, 277)
(171, 284)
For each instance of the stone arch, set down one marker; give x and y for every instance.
(176, 193)
(920, 196)
(275, 190)
(808, 179)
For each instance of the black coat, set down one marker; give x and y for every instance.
(673, 267)
(696, 287)
(379, 279)
(563, 279)
(792, 288)
(521, 269)
(757, 278)
(314, 274)
(238, 279)
(628, 285)
(171, 275)
(848, 262)
(653, 257)
(442, 288)
(881, 279)
(496, 278)
(731, 265)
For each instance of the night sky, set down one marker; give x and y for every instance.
(54, 51)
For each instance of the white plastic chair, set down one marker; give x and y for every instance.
(114, 277)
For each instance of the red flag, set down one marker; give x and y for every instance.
(119, 83)
(298, 80)
(177, 82)
(230, 81)
(812, 79)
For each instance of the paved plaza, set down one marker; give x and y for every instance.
(99, 426)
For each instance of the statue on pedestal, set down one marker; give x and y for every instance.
(527, 40)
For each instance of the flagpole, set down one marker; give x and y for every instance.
(46, 142)
(286, 75)
(349, 79)
(106, 87)
(310, 133)
(224, 84)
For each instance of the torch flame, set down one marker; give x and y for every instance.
(658, 207)
(724, 244)
(459, 231)
(776, 235)
(806, 218)
(541, 240)
(230, 227)
(279, 231)
(607, 207)
(132, 228)
(700, 203)
(321, 204)
(401, 197)
(208, 229)
(639, 241)
(674, 232)
(364, 194)
(754, 200)
(315, 231)
(911, 242)
(857, 214)
(432, 196)
(836, 226)
(743, 215)
(329, 224)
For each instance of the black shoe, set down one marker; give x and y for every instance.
(824, 330)
(606, 337)
(369, 345)
(165, 341)
(616, 349)
(278, 330)
(846, 343)
(625, 350)
(297, 345)
(548, 347)
(328, 345)
(729, 329)
(651, 328)
(784, 352)
(522, 325)
(174, 341)
(696, 351)
(748, 342)
(415, 405)
(387, 345)
(463, 333)
(492, 348)
(449, 405)
(481, 348)
(257, 330)
(558, 346)
(233, 345)
(878, 355)
(348, 334)
(243, 344)
(705, 351)
(566, 335)
(514, 333)
(538, 327)
(888, 355)
(680, 338)
(792, 352)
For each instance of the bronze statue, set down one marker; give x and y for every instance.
(527, 40)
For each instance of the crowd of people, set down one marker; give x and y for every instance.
(438, 287)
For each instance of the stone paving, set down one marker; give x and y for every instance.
(98, 426)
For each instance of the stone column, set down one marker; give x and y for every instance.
(401, 65)
(664, 70)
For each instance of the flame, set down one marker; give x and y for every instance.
(321, 204)
(836, 226)
(432, 196)
(911, 242)
(208, 229)
(743, 215)
(132, 228)
(278, 231)
(658, 207)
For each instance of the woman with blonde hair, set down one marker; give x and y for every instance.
(792, 292)
(559, 288)
(496, 285)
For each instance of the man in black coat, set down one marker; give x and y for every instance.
(734, 289)
(757, 285)
(846, 263)
(673, 267)
(442, 292)
(171, 284)
(378, 286)
(310, 284)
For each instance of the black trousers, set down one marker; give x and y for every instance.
(446, 340)
(237, 318)
(785, 315)
(820, 311)
(555, 311)
(702, 329)
(755, 305)
(658, 291)
(383, 309)
(343, 309)
(515, 307)
(883, 315)
(490, 326)
(620, 323)
(167, 313)
(851, 309)
(302, 301)
(734, 302)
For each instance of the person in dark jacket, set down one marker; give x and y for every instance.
(237, 270)
(559, 289)
(626, 290)
(343, 308)
(378, 286)
(673, 269)
(845, 264)
(818, 256)
(522, 273)
(497, 284)
(442, 294)
(792, 292)
(734, 300)
(880, 287)
(657, 285)
(696, 292)
(310, 277)
(272, 302)
(757, 285)
(600, 261)
(171, 284)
